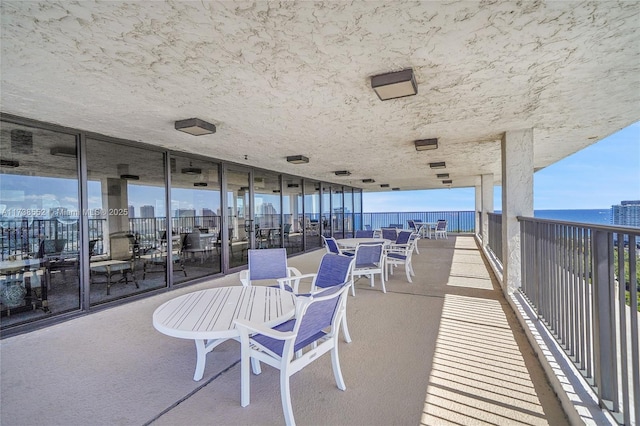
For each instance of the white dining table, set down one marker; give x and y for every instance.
(425, 227)
(207, 316)
(352, 243)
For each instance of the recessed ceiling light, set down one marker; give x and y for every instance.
(342, 173)
(297, 159)
(394, 84)
(63, 151)
(9, 163)
(293, 185)
(447, 182)
(438, 165)
(384, 185)
(426, 144)
(195, 127)
(368, 181)
(395, 189)
(200, 184)
(442, 175)
(129, 177)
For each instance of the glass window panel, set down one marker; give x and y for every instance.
(127, 221)
(293, 223)
(266, 201)
(240, 223)
(312, 216)
(195, 217)
(337, 217)
(39, 220)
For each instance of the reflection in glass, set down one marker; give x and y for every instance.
(195, 216)
(128, 245)
(39, 220)
(337, 216)
(293, 224)
(240, 225)
(266, 201)
(312, 214)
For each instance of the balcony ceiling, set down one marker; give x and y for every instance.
(286, 78)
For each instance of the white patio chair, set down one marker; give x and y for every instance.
(270, 264)
(400, 254)
(304, 336)
(334, 270)
(332, 247)
(441, 230)
(369, 261)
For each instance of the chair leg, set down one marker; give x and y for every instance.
(285, 394)
(337, 372)
(345, 330)
(384, 289)
(245, 377)
(407, 270)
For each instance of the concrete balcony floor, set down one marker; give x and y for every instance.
(445, 349)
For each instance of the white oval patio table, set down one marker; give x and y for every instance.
(352, 243)
(207, 316)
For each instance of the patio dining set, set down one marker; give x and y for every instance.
(276, 322)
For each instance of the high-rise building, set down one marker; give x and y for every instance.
(147, 211)
(132, 211)
(627, 213)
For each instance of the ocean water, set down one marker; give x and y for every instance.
(594, 216)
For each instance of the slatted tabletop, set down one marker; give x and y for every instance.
(209, 314)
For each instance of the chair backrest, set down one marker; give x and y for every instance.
(192, 241)
(364, 233)
(441, 225)
(395, 225)
(317, 314)
(331, 245)
(286, 229)
(368, 254)
(267, 264)
(412, 224)
(404, 237)
(368, 227)
(334, 270)
(389, 234)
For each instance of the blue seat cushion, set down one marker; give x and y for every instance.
(397, 256)
(276, 346)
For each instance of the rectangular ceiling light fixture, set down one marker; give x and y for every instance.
(368, 181)
(127, 176)
(395, 189)
(9, 163)
(342, 173)
(447, 182)
(200, 184)
(293, 185)
(438, 165)
(442, 175)
(63, 151)
(384, 185)
(297, 159)
(426, 144)
(394, 84)
(195, 127)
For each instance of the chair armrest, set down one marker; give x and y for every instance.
(246, 327)
(295, 280)
(244, 278)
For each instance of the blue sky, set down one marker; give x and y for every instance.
(596, 177)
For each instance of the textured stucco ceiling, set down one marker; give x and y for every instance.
(286, 78)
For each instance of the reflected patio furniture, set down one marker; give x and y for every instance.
(155, 260)
(306, 336)
(194, 244)
(23, 286)
(109, 268)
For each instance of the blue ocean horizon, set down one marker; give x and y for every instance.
(593, 216)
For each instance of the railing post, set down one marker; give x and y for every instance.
(604, 322)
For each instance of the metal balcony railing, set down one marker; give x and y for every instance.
(457, 221)
(582, 281)
(495, 235)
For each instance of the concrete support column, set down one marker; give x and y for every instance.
(517, 200)
(478, 217)
(486, 184)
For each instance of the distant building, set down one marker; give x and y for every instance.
(627, 213)
(147, 211)
(132, 211)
